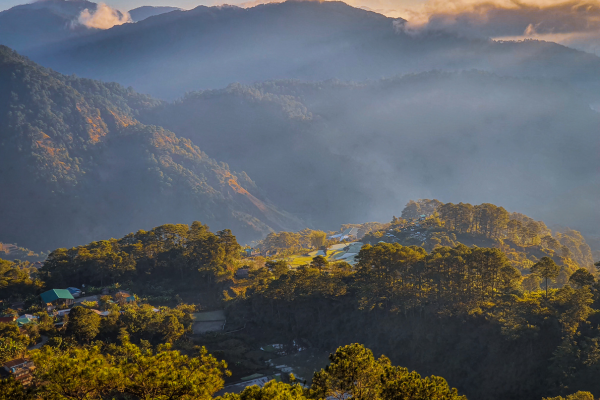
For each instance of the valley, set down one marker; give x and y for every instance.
(299, 200)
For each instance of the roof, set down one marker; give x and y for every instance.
(8, 319)
(16, 362)
(253, 376)
(207, 316)
(55, 294)
(25, 319)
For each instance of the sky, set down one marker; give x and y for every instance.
(126, 5)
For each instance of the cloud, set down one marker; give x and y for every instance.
(104, 17)
(575, 23)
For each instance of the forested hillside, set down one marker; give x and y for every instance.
(341, 152)
(78, 166)
(464, 313)
(431, 223)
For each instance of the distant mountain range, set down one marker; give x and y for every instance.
(354, 116)
(141, 13)
(211, 47)
(33, 25)
(76, 166)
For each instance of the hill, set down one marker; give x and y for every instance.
(339, 152)
(211, 47)
(78, 166)
(431, 224)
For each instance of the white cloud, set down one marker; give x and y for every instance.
(104, 17)
(574, 23)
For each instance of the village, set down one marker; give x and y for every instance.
(58, 304)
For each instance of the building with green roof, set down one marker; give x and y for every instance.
(53, 297)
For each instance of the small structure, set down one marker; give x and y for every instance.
(62, 313)
(209, 321)
(251, 252)
(54, 297)
(25, 319)
(242, 273)
(21, 369)
(122, 297)
(7, 319)
(74, 292)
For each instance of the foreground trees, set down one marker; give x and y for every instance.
(98, 371)
(459, 311)
(127, 371)
(354, 373)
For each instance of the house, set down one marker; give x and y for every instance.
(55, 297)
(242, 273)
(7, 319)
(251, 252)
(25, 319)
(21, 369)
(122, 297)
(62, 313)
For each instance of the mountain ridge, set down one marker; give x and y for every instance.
(211, 47)
(81, 149)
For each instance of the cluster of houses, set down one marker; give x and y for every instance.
(61, 300)
(58, 302)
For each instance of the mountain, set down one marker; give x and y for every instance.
(78, 166)
(141, 13)
(211, 47)
(33, 25)
(339, 152)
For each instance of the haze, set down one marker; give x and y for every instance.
(354, 108)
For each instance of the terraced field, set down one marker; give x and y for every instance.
(338, 252)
